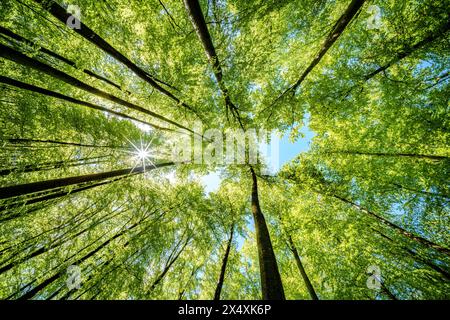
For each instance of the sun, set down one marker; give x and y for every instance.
(141, 153)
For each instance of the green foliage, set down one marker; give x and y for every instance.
(377, 102)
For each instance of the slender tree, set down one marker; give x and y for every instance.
(223, 267)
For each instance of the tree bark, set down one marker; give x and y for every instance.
(405, 53)
(224, 265)
(50, 197)
(27, 188)
(30, 294)
(271, 285)
(308, 284)
(65, 143)
(54, 245)
(335, 33)
(52, 165)
(62, 15)
(17, 37)
(168, 265)
(417, 257)
(427, 193)
(386, 154)
(32, 88)
(198, 21)
(399, 229)
(16, 56)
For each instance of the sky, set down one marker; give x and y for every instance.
(287, 151)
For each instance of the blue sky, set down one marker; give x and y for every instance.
(288, 151)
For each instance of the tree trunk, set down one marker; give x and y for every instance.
(224, 265)
(169, 264)
(405, 53)
(417, 257)
(338, 29)
(16, 56)
(399, 229)
(62, 143)
(56, 244)
(198, 21)
(52, 165)
(61, 14)
(27, 188)
(427, 193)
(271, 285)
(308, 284)
(385, 154)
(32, 88)
(387, 291)
(30, 294)
(49, 197)
(17, 37)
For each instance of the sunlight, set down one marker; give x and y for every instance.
(141, 153)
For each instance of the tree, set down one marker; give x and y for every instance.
(96, 201)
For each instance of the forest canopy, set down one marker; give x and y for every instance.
(101, 99)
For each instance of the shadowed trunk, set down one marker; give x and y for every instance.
(271, 285)
(168, 265)
(335, 33)
(308, 284)
(224, 265)
(51, 196)
(417, 257)
(52, 165)
(62, 15)
(198, 21)
(27, 188)
(427, 193)
(17, 37)
(30, 294)
(399, 229)
(56, 244)
(16, 56)
(62, 143)
(386, 154)
(405, 53)
(32, 88)
(387, 291)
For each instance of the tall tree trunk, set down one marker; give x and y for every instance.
(224, 265)
(19, 38)
(32, 88)
(308, 284)
(183, 291)
(30, 294)
(271, 285)
(16, 56)
(386, 154)
(51, 196)
(399, 229)
(27, 188)
(198, 21)
(62, 15)
(427, 193)
(339, 27)
(417, 257)
(52, 165)
(62, 143)
(168, 265)
(387, 291)
(55, 244)
(408, 51)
